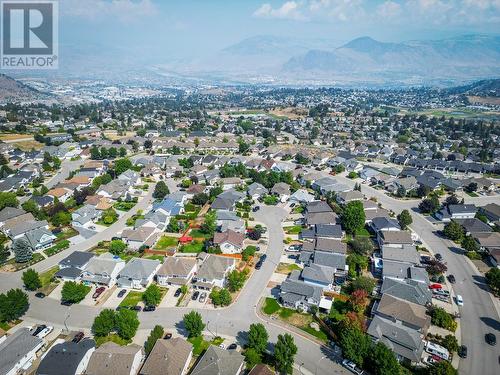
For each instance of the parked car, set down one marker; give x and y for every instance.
(195, 295)
(233, 346)
(258, 265)
(39, 329)
(98, 292)
(256, 208)
(121, 293)
(66, 303)
(136, 308)
(78, 337)
(459, 300)
(352, 367)
(40, 295)
(451, 279)
(441, 292)
(203, 297)
(178, 292)
(490, 339)
(294, 248)
(222, 346)
(149, 308)
(167, 336)
(44, 332)
(439, 257)
(462, 351)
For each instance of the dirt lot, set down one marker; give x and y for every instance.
(289, 112)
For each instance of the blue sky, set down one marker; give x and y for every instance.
(186, 28)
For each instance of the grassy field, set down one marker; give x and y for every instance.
(14, 136)
(271, 306)
(287, 268)
(131, 299)
(46, 277)
(29, 145)
(194, 247)
(196, 233)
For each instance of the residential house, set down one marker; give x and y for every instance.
(111, 358)
(282, 191)
(219, 361)
(40, 238)
(332, 231)
(67, 358)
(301, 196)
(115, 189)
(228, 220)
(383, 224)
(168, 357)
(491, 211)
(138, 273)
(62, 194)
(142, 236)
(297, 294)
(85, 216)
(256, 191)
(103, 270)
(9, 213)
(18, 351)
(456, 211)
(394, 238)
(345, 197)
(408, 290)
(132, 178)
(474, 226)
(230, 242)
(71, 267)
(227, 200)
(177, 271)
(213, 271)
(400, 311)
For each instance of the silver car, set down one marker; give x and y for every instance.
(203, 297)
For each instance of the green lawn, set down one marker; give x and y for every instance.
(196, 233)
(194, 247)
(155, 257)
(319, 334)
(363, 232)
(298, 210)
(474, 195)
(132, 299)
(46, 277)
(295, 229)
(66, 233)
(124, 206)
(127, 256)
(111, 337)
(271, 306)
(287, 268)
(200, 345)
(166, 242)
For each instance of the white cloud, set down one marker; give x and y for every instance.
(389, 9)
(123, 10)
(289, 10)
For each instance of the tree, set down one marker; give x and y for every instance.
(74, 292)
(116, 247)
(22, 250)
(109, 216)
(441, 318)
(31, 279)
(126, 323)
(452, 199)
(404, 219)
(13, 305)
(155, 335)
(470, 244)
(435, 267)
(401, 192)
(493, 280)
(429, 205)
(152, 295)
(200, 199)
(173, 225)
(258, 337)
(472, 187)
(358, 300)
(382, 361)
(104, 323)
(361, 245)
(442, 368)
(193, 324)
(356, 263)
(454, 231)
(252, 358)
(221, 297)
(210, 223)
(364, 283)
(148, 144)
(353, 217)
(161, 190)
(284, 353)
(8, 200)
(61, 218)
(122, 165)
(354, 343)
(450, 342)
(236, 280)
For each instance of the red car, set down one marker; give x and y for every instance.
(98, 292)
(435, 286)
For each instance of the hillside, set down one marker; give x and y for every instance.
(15, 91)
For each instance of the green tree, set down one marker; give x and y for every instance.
(173, 225)
(284, 353)
(13, 305)
(450, 342)
(356, 263)
(354, 343)
(117, 247)
(404, 219)
(193, 323)
(470, 244)
(236, 280)
(200, 199)
(22, 250)
(61, 218)
(210, 223)
(353, 217)
(454, 231)
(155, 335)
(361, 245)
(443, 319)
(442, 368)
(122, 165)
(258, 337)
(126, 323)
(104, 323)
(221, 297)
(429, 205)
(8, 200)
(382, 361)
(364, 283)
(252, 357)
(493, 280)
(161, 190)
(74, 292)
(31, 279)
(152, 295)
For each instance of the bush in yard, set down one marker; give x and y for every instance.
(221, 297)
(450, 342)
(13, 305)
(126, 323)
(258, 337)
(361, 245)
(363, 282)
(454, 231)
(210, 223)
(200, 199)
(358, 300)
(152, 295)
(193, 323)
(248, 252)
(493, 280)
(104, 323)
(74, 292)
(22, 251)
(31, 279)
(441, 318)
(442, 368)
(470, 244)
(404, 219)
(284, 353)
(117, 247)
(155, 335)
(435, 267)
(236, 280)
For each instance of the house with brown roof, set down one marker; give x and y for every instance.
(230, 242)
(394, 238)
(176, 270)
(261, 369)
(63, 194)
(135, 238)
(168, 357)
(113, 359)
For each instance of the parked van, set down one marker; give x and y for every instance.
(438, 350)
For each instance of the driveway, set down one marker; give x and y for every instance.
(169, 300)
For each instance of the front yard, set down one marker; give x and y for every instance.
(295, 229)
(131, 299)
(200, 344)
(287, 268)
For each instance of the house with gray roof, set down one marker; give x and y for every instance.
(168, 357)
(18, 351)
(103, 270)
(456, 211)
(409, 290)
(345, 197)
(9, 213)
(114, 359)
(402, 271)
(394, 238)
(282, 191)
(74, 356)
(40, 238)
(177, 270)
(297, 294)
(409, 314)
(85, 216)
(474, 225)
(256, 190)
(71, 267)
(218, 361)
(213, 271)
(405, 342)
(138, 273)
(406, 254)
(301, 196)
(228, 220)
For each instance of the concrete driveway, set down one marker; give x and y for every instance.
(169, 300)
(113, 300)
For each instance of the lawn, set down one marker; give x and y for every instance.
(166, 242)
(111, 337)
(363, 232)
(124, 206)
(295, 229)
(193, 247)
(196, 233)
(287, 268)
(46, 277)
(298, 210)
(200, 345)
(271, 306)
(57, 248)
(128, 256)
(132, 299)
(155, 257)
(474, 195)
(66, 233)
(12, 265)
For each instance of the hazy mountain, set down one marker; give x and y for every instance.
(12, 90)
(365, 59)
(486, 88)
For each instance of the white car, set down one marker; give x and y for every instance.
(352, 367)
(459, 300)
(44, 332)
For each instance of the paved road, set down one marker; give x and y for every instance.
(481, 311)
(66, 167)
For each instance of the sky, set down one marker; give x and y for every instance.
(187, 28)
